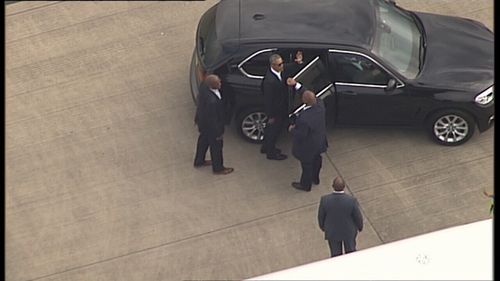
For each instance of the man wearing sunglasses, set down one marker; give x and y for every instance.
(275, 90)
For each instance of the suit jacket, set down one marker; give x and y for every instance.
(276, 91)
(309, 134)
(339, 216)
(210, 113)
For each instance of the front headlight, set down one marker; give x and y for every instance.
(485, 97)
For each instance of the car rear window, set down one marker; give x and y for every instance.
(207, 45)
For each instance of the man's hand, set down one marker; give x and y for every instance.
(291, 82)
(291, 127)
(298, 57)
(271, 120)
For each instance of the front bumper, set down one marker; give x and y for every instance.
(486, 118)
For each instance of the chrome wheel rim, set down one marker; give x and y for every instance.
(451, 128)
(253, 126)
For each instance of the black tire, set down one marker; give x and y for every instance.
(250, 124)
(451, 127)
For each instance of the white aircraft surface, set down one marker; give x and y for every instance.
(458, 253)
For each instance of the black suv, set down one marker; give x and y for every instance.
(371, 61)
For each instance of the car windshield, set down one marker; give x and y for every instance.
(398, 40)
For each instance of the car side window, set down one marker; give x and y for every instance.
(289, 56)
(258, 64)
(352, 68)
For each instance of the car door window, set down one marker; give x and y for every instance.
(314, 77)
(352, 68)
(257, 65)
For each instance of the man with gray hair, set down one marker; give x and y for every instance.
(275, 90)
(339, 216)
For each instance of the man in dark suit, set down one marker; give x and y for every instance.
(210, 120)
(275, 90)
(339, 216)
(309, 140)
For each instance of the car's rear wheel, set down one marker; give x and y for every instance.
(251, 124)
(451, 127)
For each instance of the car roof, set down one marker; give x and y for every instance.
(346, 22)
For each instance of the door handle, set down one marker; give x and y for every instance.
(350, 93)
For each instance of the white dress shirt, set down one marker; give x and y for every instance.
(216, 92)
(278, 74)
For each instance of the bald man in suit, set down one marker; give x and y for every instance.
(340, 217)
(210, 118)
(309, 140)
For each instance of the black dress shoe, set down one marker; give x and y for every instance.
(298, 186)
(277, 156)
(224, 171)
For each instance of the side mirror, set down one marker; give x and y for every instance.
(391, 85)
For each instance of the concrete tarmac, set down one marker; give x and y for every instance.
(100, 140)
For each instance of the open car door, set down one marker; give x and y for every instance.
(314, 77)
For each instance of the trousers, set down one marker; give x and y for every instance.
(310, 171)
(336, 246)
(204, 143)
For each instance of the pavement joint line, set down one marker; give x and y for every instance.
(425, 173)
(407, 188)
(396, 166)
(390, 167)
(90, 50)
(415, 131)
(415, 205)
(32, 9)
(91, 187)
(82, 22)
(92, 138)
(39, 89)
(176, 241)
(442, 211)
(361, 207)
(107, 124)
(357, 149)
(403, 148)
(49, 113)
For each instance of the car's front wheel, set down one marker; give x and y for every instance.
(251, 124)
(451, 127)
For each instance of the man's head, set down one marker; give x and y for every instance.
(309, 98)
(276, 62)
(213, 81)
(338, 184)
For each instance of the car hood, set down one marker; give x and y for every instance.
(459, 53)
